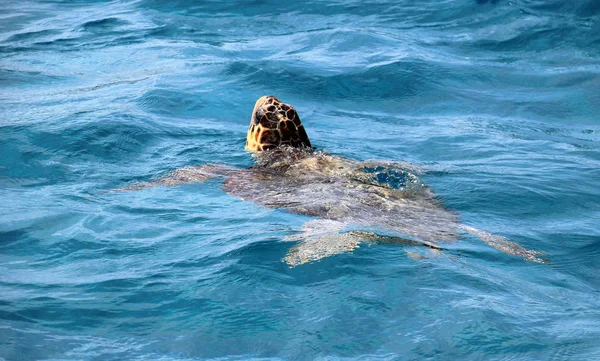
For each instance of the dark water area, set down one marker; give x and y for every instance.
(499, 100)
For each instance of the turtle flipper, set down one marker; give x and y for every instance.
(190, 174)
(314, 249)
(320, 238)
(503, 244)
(323, 238)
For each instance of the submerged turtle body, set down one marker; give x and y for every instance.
(351, 201)
(320, 185)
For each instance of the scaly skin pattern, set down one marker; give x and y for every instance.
(275, 124)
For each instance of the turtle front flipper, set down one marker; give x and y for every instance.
(323, 238)
(190, 174)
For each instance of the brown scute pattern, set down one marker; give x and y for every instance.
(269, 136)
(291, 114)
(296, 119)
(286, 131)
(266, 120)
(274, 124)
(302, 133)
(290, 125)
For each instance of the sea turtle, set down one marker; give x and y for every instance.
(350, 201)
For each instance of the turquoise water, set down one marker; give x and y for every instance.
(499, 99)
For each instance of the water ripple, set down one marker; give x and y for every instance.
(495, 100)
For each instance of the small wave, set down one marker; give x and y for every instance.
(501, 95)
(103, 25)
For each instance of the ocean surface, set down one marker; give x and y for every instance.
(499, 100)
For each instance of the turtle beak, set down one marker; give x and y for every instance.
(258, 111)
(260, 101)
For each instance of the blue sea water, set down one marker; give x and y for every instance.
(499, 99)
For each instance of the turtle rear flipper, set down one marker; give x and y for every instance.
(323, 238)
(315, 249)
(319, 238)
(503, 244)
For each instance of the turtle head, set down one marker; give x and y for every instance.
(275, 124)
